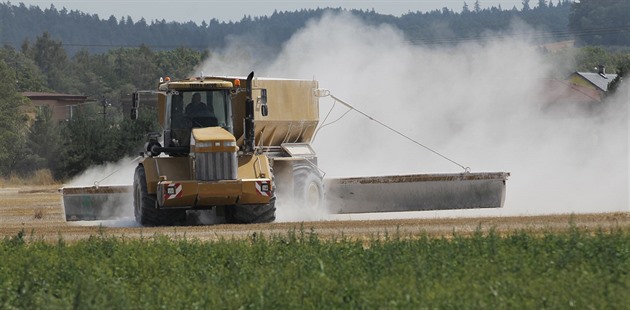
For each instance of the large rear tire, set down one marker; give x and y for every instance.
(145, 205)
(308, 189)
(248, 214)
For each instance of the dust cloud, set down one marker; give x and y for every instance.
(117, 208)
(118, 173)
(479, 103)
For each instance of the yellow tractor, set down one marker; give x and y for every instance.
(232, 145)
(206, 156)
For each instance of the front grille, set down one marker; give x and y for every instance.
(215, 166)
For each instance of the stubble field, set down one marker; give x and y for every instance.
(38, 211)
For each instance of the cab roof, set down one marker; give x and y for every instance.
(197, 83)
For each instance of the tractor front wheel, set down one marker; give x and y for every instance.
(145, 205)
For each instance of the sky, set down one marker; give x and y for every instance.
(234, 10)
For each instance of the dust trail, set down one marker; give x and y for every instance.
(288, 210)
(479, 103)
(118, 173)
(118, 207)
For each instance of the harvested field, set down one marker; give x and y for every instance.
(38, 212)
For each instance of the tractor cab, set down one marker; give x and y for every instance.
(194, 103)
(188, 109)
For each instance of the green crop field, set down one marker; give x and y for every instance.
(299, 270)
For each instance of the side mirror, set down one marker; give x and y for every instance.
(135, 103)
(264, 110)
(263, 96)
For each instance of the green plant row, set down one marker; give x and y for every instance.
(300, 270)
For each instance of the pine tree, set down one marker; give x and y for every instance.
(51, 59)
(477, 7)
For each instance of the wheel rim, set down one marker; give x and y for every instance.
(313, 195)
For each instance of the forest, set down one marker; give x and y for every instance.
(78, 30)
(61, 51)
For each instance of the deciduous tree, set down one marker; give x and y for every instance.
(13, 123)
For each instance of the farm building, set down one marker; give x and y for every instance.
(62, 106)
(594, 80)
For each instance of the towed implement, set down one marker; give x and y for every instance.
(96, 202)
(235, 146)
(421, 192)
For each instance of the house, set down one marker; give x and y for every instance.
(581, 92)
(597, 81)
(563, 96)
(62, 106)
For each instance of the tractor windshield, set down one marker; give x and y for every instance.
(199, 108)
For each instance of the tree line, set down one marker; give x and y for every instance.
(592, 22)
(99, 132)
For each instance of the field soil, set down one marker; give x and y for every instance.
(37, 211)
